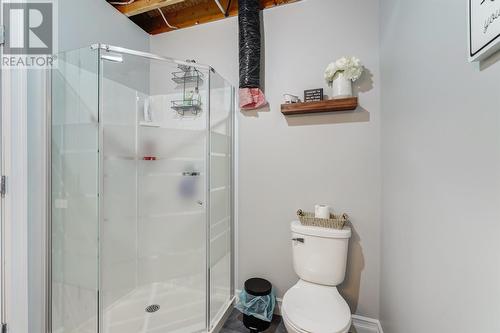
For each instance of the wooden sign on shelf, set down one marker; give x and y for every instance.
(313, 95)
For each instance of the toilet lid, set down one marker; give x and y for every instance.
(316, 308)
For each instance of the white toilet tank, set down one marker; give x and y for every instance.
(320, 254)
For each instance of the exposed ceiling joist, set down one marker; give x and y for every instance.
(142, 6)
(183, 13)
(187, 17)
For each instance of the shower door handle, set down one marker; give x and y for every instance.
(200, 203)
(190, 173)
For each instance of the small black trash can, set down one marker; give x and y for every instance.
(257, 287)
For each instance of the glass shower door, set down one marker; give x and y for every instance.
(74, 192)
(221, 211)
(153, 223)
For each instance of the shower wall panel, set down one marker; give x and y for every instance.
(119, 204)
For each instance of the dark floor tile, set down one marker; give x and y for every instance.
(234, 324)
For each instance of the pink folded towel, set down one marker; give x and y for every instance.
(252, 98)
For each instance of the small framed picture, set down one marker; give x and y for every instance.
(313, 95)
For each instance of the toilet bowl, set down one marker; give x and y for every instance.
(314, 305)
(309, 307)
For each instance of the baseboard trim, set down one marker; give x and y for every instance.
(277, 308)
(361, 323)
(367, 324)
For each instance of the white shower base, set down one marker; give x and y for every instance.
(181, 310)
(182, 305)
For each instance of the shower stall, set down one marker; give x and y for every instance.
(141, 216)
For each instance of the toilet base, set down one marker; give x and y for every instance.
(291, 329)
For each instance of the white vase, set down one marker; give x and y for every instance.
(341, 87)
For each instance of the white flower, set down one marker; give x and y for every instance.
(342, 63)
(351, 67)
(330, 71)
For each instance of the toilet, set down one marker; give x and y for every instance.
(313, 304)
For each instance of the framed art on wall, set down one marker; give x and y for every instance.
(484, 28)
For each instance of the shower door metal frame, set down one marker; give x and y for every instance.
(100, 187)
(233, 193)
(208, 227)
(118, 49)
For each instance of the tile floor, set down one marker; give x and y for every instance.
(234, 324)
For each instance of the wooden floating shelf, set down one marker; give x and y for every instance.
(330, 105)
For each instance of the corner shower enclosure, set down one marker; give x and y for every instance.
(141, 193)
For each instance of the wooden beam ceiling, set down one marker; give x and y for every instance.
(142, 6)
(182, 13)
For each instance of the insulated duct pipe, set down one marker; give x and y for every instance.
(251, 96)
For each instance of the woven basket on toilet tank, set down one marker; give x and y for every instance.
(335, 221)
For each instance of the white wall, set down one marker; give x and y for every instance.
(441, 174)
(83, 23)
(295, 162)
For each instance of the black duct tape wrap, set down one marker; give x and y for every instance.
(249, 23)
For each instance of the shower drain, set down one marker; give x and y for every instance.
(152, 308)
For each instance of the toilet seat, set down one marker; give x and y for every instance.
(313, 308)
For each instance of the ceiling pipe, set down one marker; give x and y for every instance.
(165, 19)
(122, 3)
(220, 7)
(227, 8)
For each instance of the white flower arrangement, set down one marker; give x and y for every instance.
(351, 67)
